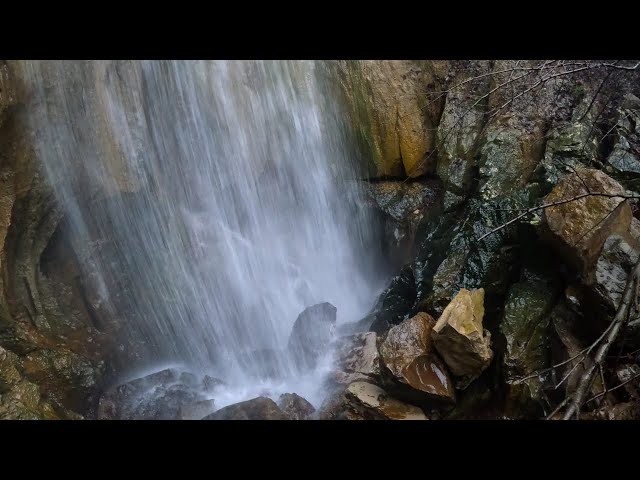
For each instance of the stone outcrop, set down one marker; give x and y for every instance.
(394, 120)
(459, 337)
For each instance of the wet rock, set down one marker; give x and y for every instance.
(366, 401)
(459, 133)
(577, 230)
(312, 332)
(631, 375)
(525, 326)
(510, 154)
(295, 407)
(612, 270)
(414, 370)
(403, 205)
(372, 402)
(158, 396)
(450, 257)
(20, 399)
(356, 357)
(460, 338)
(196, 411)
(395, 302)
(391, 116)
(260, 408)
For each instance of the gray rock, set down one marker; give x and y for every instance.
(260, 408)
(295, 407)
(311, 335)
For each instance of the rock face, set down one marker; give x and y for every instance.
(47, 318)
(312, 332)
(460, 338)
(356, 357)
(394, 120)
(295, 407)
(413, 365)
(459, 133)
(579, 229)
(260, 408)
(366, 401)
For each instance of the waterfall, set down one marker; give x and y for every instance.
(222, 191)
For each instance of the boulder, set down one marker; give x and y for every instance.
(356, 357)
(413, 368)
(295, 407)
(459, 337)
(577, 230)
(525, 326)
(160, 395)
(366, 401)
(312, 333)
(375, 404)
(260, 408)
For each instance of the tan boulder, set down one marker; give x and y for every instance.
(369, 397)
(414, 366)
(459, 337)
(578, 229)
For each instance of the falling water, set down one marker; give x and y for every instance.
(221, 190)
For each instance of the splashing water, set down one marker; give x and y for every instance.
(222, 197)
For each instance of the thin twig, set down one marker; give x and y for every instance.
(554, 204)
(622, 315)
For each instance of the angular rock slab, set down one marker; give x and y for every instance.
(260, 408)
(578, 229)
(366, 401)
(459, 338)
(356, 357)
(311, 334)
(414, 366)
(373, 400)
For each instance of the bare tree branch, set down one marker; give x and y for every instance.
(618, 321)
(553, 204)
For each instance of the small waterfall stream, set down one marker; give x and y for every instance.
(225, 192)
